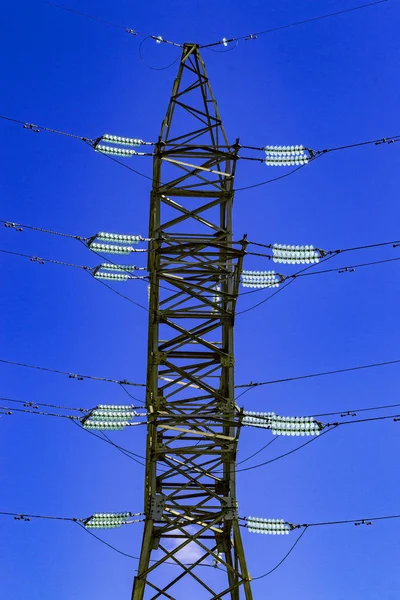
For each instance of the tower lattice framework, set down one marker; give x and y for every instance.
(193, 424)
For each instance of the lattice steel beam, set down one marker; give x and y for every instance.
(193, 430)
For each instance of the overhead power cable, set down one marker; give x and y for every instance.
(104, 438)
(283, 559)
(20, 227)
(347, 268)
(107, 543)
(392, 243)
(362, 521)
(111, 152)
(357, 522)
(34, 404)
(27, 516)
(136, 557)
(117, 517)
(122, 295)
(316, 154)
(42, 261)
(274, 439)
(305, 527)
(84, 240)
(125, 165)
(341, 413)
(134, 32)
(282, 287)
(78, 521)
(290, 278)
(292, 526)
(288, 453)
(72, 375)
(38, 128)
(355, 411)
(90, 270)
(328, 427)
(366, 420)
(252, 36)
(37, 412)
(286, 280)
(322, 374)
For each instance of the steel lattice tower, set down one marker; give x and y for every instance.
(193, 424)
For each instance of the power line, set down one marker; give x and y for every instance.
(124, 451)
(329, 427)
(121, 295)
(125, 166)
(393, 243)
(331, 253)
(342, 413)
(88, 141)
(135, 557)
(358, 368)
(107, 440)
(90, 270)
(363, 521)
(76, 12)
(84, 241)
(38, 128)
(278, 291)
(30, 403)
(254, 185)
(38, 412)
(144, 278)
(274, 439)
(29, 516)
(131, 396)
(72, 375)
(107, 544)
(317, 154)
(253, 36)
(271, 460)
(19, 226)
(337, 251)
(42, 261)
(290, 279)
(150, 66)
(347, 268)
(377, 142)
(283, 559)
(369, 419)
(128, 453)
(133, 32)
(354, 411)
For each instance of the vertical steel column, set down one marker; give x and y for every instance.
(190, 491)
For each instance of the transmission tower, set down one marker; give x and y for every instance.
(193, 425)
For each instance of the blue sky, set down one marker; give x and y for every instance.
(323, 84)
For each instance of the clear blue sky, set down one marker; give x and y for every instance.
(324, 84)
